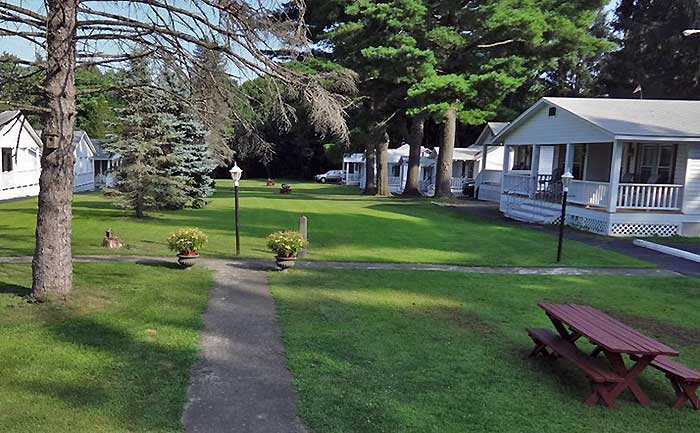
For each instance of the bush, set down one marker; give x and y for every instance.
(286, 243)
(187, 240)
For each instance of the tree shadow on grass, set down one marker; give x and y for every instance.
(14, 289)
(147, 380)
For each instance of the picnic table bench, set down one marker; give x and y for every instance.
(612, 338)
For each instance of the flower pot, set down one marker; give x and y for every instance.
(187, 260)
(285, 262)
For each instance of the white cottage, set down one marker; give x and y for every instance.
(105, 163)
(83, 169)
(397, 164)
(636, 165)
(20, 157)
(352, 165)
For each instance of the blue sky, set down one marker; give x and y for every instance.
(26, 50)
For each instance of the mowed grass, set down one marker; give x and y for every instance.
(343, 225)
(116, 358)
(397, 351)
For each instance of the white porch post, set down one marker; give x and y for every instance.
(569, 158)
(484, 153)
(534, 168)
(506, 166)
(615, 166)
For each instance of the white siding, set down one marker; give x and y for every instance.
(691, 195)
(83, 168)
(540, 128)
(23, 180)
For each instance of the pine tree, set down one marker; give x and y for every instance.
(193, 160)
(144, 180)
(653, 52)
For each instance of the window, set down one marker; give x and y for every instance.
(552, 111)
(579, 162)
(522, 157)
(395, 170)
(6, 159)
(351, 168)
(656, 163)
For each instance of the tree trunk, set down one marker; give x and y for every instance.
(415, 141)
(52, 267)
(382, 164)
(370, 178)
(443, 180)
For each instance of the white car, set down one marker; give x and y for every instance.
(330, 176)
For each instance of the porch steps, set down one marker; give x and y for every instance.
(534, 213)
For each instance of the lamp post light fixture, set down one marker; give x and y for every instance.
(236, 174)
(690, 32)
(565, 182)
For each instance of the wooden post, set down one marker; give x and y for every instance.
(569, 159)
(534, 169)
(506, 166)
(304, 230)
(615, 166)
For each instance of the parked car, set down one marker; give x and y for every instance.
(330, 176)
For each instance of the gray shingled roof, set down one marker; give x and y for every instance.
(6, 116)
(636, 117)
(497, 127)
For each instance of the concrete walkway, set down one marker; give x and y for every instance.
(241, 383)
(268, 265)
(487, 269)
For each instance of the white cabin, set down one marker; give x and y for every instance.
(105, 163)
(397, 164)
(83, 168)
(20, 157)
(636, 165)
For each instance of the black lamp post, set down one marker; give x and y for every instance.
(236, 174)
(565, 182)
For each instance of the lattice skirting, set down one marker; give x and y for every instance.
(631, 229)
(588, 224)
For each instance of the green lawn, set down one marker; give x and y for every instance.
(343, 225)
(117, 358)
(396, 351)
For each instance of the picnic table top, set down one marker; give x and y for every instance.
(605, 331)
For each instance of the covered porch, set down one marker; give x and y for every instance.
(620, 188)
(609, 176)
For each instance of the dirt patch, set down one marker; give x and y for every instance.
(663, 331)
(457, 316)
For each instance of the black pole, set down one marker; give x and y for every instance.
(562, 222)
(238, 238)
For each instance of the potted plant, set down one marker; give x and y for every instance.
(187, 242)
(286, 245)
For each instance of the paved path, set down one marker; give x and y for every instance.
(490, 211)
(241, 383)
(487, 269)
(268, 265)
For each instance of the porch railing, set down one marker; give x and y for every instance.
(489, 176)
(589, 193)
(649, 196)
(394, 180)
(426, 187)
(514, 184)
(456, 183)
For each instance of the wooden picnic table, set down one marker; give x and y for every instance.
(611, 337)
